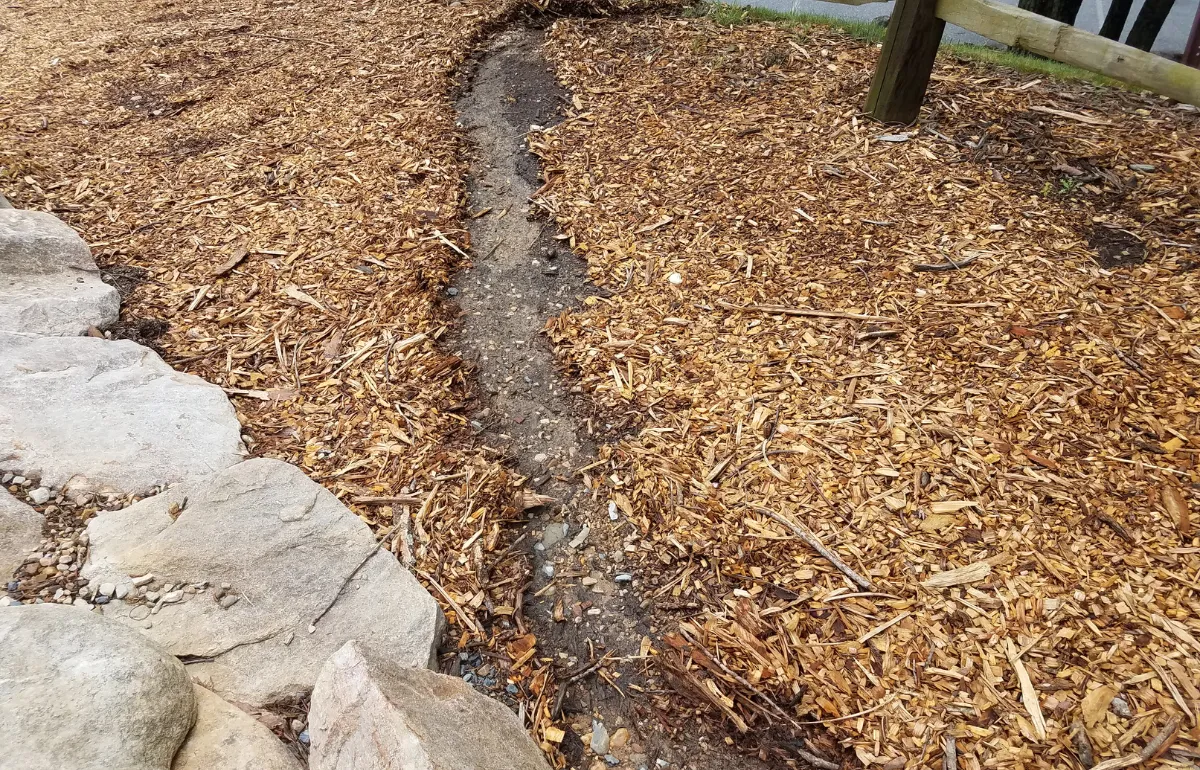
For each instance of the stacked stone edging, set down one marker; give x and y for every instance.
(247, 569)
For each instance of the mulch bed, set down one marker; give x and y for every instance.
(962, 358)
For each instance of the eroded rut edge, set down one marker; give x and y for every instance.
(579, 601)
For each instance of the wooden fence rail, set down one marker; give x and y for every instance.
(906, 61)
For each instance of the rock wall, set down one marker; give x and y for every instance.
(246, 570)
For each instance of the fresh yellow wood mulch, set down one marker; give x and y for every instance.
(962, 357)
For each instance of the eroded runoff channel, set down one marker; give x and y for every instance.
(580, 603)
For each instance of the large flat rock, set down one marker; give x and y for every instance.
(285, 546)
(90, 414)
(49, 283)
(81, 692)
(368, 713)
(20, 533)
(227, 738)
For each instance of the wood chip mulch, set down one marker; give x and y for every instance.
(960, 358)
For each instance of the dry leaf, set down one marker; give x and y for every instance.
(1177, 507)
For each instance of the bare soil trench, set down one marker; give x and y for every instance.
(581, 604)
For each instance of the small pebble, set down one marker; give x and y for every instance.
(1143, 167)
(540, 457)
(303, 737)
(143, 580)
(675, 278)
(170, 597)
(624, 577)
(122, 591)
(39, 496)
(107, 589)
(297, 726)
(599, 737)
(452, 292)
(1120, 707)
(548, 570)
(228, 601)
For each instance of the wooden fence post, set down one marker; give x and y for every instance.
(906, 62)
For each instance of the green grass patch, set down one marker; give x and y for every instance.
(737, 15)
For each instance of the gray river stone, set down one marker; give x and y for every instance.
(89, 414)
(20, 533)
(80, 692)
(368, 712)
(49, 283)
(285, 546)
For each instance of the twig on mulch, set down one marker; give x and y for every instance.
(949, 264)
(808, 537)
(1160, 743)
(579, 676)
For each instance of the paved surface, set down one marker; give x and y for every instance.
(1170, 42)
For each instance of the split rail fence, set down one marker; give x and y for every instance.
(915, 30)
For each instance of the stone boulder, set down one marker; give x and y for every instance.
(89, 414)
(80, 692)
(49, 283)
(20, 533)
(227, 738)
(370, 713)
(284, 547)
